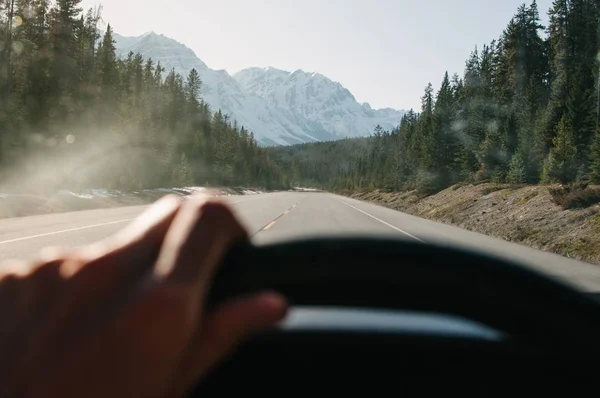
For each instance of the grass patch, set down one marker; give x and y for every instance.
(489, 190)
(580, 248)
(528, 197)
(522, 233)
(514, 187)
(509, 187)
(595, 222)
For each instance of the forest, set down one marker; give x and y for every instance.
(525, 111)
(68, 103)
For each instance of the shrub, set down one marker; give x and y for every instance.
(573, 196)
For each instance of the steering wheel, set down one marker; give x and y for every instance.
(486, 309)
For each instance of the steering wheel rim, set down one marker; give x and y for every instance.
(388, 273)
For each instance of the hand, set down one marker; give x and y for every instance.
(125, 317)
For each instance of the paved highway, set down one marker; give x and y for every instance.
(287, 215)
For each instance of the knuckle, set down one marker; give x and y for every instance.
(220, 216)
(15, 268)
(49, 271)
(217, 210)
(211, 212)
(8, 282)
(71, 265)
(49, 266)
(52, 253)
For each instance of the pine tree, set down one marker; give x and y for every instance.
(517, 173)
(183, 174)
(444, 146)
(193, 86)
(63, 38)
(561, 163)
(108, 74)
(594, 171)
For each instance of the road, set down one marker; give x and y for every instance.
(287, 215)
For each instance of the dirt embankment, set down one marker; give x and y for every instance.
(521, 214)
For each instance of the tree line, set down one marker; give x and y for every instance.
(526, 110)
(127, 121)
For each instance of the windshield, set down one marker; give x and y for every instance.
(470, 123)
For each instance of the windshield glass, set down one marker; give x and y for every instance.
(471, 123)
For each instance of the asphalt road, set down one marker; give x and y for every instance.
(287, 215)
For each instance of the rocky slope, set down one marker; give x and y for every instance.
(525, 214)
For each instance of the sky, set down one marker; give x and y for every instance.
(384, 51)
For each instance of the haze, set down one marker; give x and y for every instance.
(383, 51)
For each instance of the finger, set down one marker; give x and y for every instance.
(147, 229)
(102, 276)
(225, 328)
(27, 289)
(161, 320)
(200, 235)
(135, 354)
(99, 277)
(96, 281)
(123, 258)
(26, 297)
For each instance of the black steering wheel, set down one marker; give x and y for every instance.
(536, 321)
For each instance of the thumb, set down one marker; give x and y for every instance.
(227, 326)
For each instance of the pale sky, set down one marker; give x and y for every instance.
(383, 51)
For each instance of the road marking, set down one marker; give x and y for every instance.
(65, 230)
(381, 221)
(97, 225)
(269, 225)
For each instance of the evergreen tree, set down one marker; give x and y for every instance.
(516, 170)
(561, 163)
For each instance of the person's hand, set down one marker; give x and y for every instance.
(125, 317)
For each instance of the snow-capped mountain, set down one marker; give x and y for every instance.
(315, 102)
(280, 107)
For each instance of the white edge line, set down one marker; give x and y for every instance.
(90, 226)
(65, 230)
(381, 221)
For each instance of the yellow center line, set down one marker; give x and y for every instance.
(269, 225)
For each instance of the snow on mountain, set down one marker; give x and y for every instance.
(281, 108)
(315, 102)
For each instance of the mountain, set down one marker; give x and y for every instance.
(315, 103)
(280, 107)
